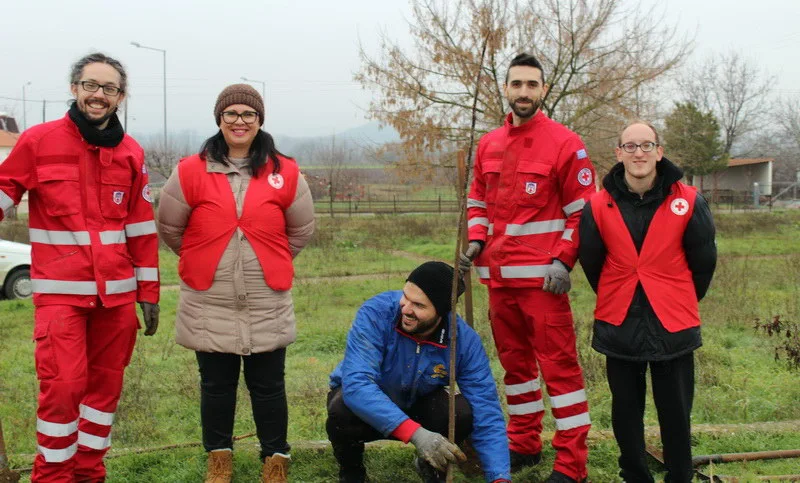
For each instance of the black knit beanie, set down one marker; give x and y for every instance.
(239, 94)
(436, 280)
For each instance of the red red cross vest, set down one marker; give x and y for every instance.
(214, 220)
(661, 265)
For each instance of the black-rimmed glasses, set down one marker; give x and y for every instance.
(646, 147)
(108, 89)
(248, 117)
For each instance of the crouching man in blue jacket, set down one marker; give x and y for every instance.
(393, 379)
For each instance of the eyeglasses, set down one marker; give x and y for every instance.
(249, 117)
(646, 147)
(108, 89)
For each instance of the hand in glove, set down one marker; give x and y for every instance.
(436, 449)
(466, 257)
(556, 279)
(150, 315)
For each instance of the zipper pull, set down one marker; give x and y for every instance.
(417, 348)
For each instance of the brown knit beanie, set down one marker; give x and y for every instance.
(239, 94)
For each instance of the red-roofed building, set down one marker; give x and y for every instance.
(740, 175)
(8, 135)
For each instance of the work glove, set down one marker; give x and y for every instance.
(465, 258)
(436, 449)
(150, 315)
(556, 279)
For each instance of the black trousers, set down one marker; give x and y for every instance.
(348, 433)
(673, 393)
(264, 376)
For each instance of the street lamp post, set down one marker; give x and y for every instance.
(164, 53)
(24, 111)
(263, 88)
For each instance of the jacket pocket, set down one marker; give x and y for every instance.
(59, 187)
(46, 364)
(115, 192)
(533, 184)
(559, 337)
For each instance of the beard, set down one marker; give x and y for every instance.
(526, 111)
(95, 121)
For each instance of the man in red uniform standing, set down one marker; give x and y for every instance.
(94, 254)
(531, 180)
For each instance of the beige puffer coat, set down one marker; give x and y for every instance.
(239, 314)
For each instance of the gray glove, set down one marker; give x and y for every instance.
(466, 257)
(436, 449)
(150, 316)
(556, 279)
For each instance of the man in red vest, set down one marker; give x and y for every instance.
(94, 254)
(531, 179)
(648, 251)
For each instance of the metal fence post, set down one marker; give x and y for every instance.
(756, 194)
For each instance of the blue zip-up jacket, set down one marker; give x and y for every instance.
(385, 370)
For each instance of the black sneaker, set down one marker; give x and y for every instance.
(559, 477)
(353, 476)
(521, 460)
(427, 472)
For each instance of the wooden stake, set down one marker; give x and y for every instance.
(462, 179)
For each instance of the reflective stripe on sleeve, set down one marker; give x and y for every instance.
(568, 234)
(53, 237)
(524, 271)
(526, 408)
(58, 455)
(478, 221)
(491, 229)
(69, 287)
(535, 227)
(96, 416)
(56, 430)
(5, 201)
(146, 274)
(141, 229)
(568, 399)
(576, 205)
(472, 203)
(563, 424)
(94, 442)
(121, 286)
(517, 389)
(483, 272)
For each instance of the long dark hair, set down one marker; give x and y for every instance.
(263, 146)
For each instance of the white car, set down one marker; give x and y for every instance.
(15, 270)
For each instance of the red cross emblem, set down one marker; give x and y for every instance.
(585, 176)
(679, 206)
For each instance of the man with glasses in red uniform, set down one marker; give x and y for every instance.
(94, 254)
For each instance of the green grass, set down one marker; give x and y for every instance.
(738, 380)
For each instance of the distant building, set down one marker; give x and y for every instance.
(739, 176)
(9, 133)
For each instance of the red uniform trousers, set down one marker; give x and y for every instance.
(533, 330)
(81, 354)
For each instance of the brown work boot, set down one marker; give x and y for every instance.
(276, 469)
(220, 467)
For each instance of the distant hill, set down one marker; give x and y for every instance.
(368, 135)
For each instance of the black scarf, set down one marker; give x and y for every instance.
(109, 137)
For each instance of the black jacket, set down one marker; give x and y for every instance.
(641, 337)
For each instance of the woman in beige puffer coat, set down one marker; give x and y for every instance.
(237, 213)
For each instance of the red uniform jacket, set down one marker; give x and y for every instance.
(661, 265)
(214, 220)
(529, 186)
(91, 219)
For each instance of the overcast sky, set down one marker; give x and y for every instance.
(306, 51)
